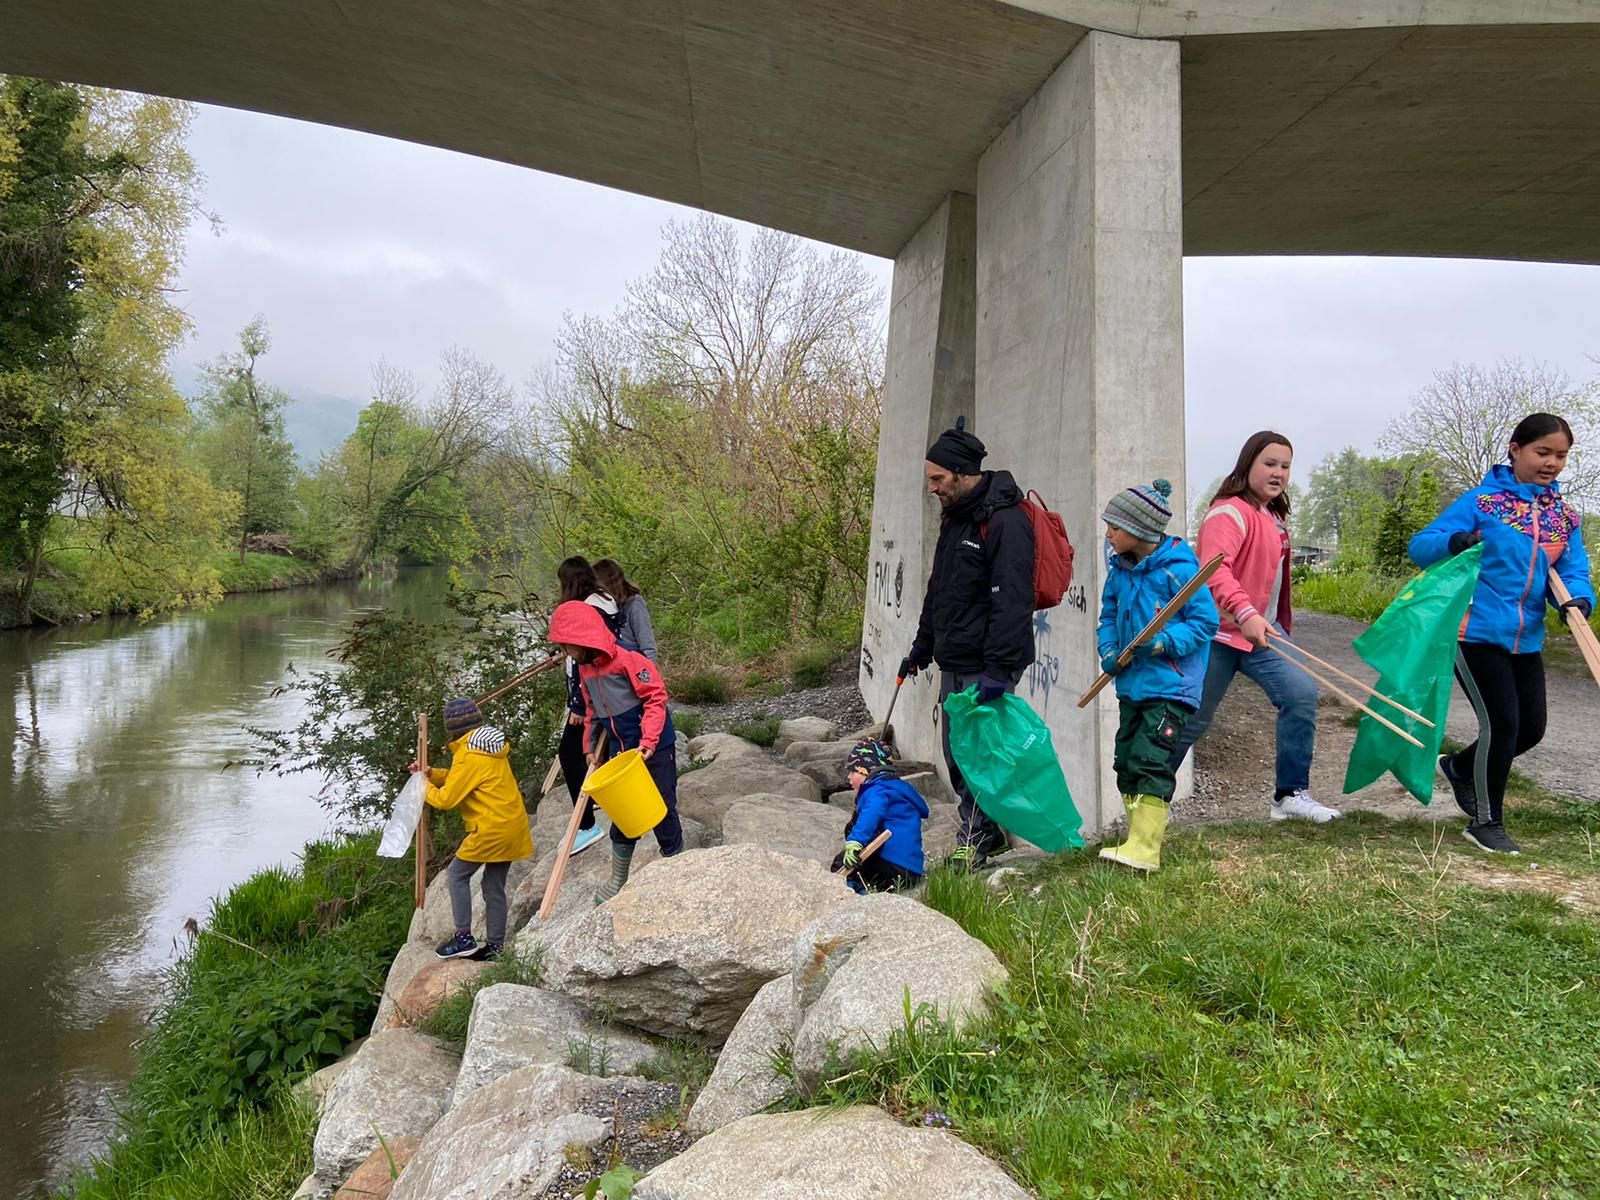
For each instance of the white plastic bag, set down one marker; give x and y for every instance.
(397, 834)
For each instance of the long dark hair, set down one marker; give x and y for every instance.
(577, 579)
(610, 575)
(1237, 482)
(1538, 425)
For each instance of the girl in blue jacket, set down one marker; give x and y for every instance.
(883, 801)
(1160, 689)
(1526, 528)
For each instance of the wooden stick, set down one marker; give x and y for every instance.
(1588, 644)
(519, 680)
(1354, 703)
(558, 872)
(1345, 675)
(421, 881)
(550, 776)
(867, 852)
(1183, 596)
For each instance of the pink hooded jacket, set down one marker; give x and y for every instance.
(1255, 552)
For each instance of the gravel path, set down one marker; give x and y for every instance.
(1565, 762)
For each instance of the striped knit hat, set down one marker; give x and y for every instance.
(460, 715)
(1141, 511)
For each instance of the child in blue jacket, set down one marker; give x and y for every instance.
(883, 801)
(1160, 689)
(1525, 528)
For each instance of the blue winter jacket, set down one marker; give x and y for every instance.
(1133, 594)
(1526, 528)
(885, 801)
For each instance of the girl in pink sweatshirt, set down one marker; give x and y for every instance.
(1247, 524)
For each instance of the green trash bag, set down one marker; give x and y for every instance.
(1005, 754)
(1412, 647)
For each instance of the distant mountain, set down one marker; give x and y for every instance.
(316, 422)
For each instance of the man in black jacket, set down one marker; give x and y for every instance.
(977, 615)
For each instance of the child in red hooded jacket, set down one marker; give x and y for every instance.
(626, 710)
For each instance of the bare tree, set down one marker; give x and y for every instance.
(1464, 419)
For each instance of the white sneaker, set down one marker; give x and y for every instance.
(586, 838)
(1300, 806)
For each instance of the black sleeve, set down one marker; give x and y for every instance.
(922, 644)
(1008, 643)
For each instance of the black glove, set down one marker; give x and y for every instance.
(1460, 542)
(1579, 603)
(909, 665)
(991, 689)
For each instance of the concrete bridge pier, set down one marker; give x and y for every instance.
(1051, 312)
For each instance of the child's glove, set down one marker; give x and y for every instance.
(852, 853)
(1108, 662)
(1154, 648)
(1579, 603)
(990, 689)
(1461, 542)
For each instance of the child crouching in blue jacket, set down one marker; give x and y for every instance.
(1160, 689)
(883, 801)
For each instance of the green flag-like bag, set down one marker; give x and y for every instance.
(1005, 755)
(1412, 646)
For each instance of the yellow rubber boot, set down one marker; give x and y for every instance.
(1130, 805)
(1147, 825)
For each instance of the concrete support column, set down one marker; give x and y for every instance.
(1079, 378)
(928, 383)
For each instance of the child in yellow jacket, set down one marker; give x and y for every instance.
(479, 780)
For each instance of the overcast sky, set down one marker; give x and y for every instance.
(357, 247)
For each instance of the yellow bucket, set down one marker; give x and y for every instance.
(623, 787)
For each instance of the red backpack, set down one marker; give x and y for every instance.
(1052, 552)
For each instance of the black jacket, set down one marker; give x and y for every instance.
(977, 615)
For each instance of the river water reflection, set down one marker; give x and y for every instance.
(118, 824)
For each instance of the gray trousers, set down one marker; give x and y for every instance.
(458, 877)
(977, 828)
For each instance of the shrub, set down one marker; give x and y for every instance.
(763, 731)
(705, 686)
(688, 723)
(812, 666)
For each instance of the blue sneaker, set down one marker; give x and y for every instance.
(586, 838)
(462, 945)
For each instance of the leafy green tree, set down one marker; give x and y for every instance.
(1341, 491)
(241, 439)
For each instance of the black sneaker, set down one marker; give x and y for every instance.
(993, 844)
(1491, 836)
(461, 945)
(1466, 798)
(488, 952)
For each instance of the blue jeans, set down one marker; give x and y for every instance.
(1292, 692)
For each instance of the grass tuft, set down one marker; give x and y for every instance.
(449, 1021)
(763, 731)
(705, 686)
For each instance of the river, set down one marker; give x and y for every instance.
(119, 823)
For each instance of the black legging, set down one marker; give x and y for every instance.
(573, 766)
(1507, 693)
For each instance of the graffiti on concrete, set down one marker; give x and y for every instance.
(889, 585)
(1044, 672)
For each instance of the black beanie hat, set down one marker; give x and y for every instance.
(957, 450)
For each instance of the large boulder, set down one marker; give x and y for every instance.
(853, 968)
(431, 987)
(744, 1081)
(931, 787)
(828, 773)
(408, 962)
(685, 946)
(705, 795)
(724, 748)
(788, 826)
(844, 798)
(514, 1027)
(505, 1141)
(838, 749)
(397, 1085)
(375, 1178)
(804, 729)
(434, 922)
(313, 1089)
(860, 1153)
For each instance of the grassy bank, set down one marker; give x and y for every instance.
(285, 973)
(1356, 1009)
(266, 572)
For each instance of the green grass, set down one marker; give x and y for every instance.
(686, 1064)
(763, 731)
(449, 1020)
(1359, 595)
(284, 974)
(264, 572)
(1345, 1010)
(688, 723)
(699, 687)
(813, 664)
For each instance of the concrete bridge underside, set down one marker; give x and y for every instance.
(1037, 170)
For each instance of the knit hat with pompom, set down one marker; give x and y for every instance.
(1141, 511)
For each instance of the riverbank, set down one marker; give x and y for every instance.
(277, 982)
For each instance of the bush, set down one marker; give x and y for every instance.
(763, 731)
(812, 665)
(705, 686)
(1360, 595)
(688, 723)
